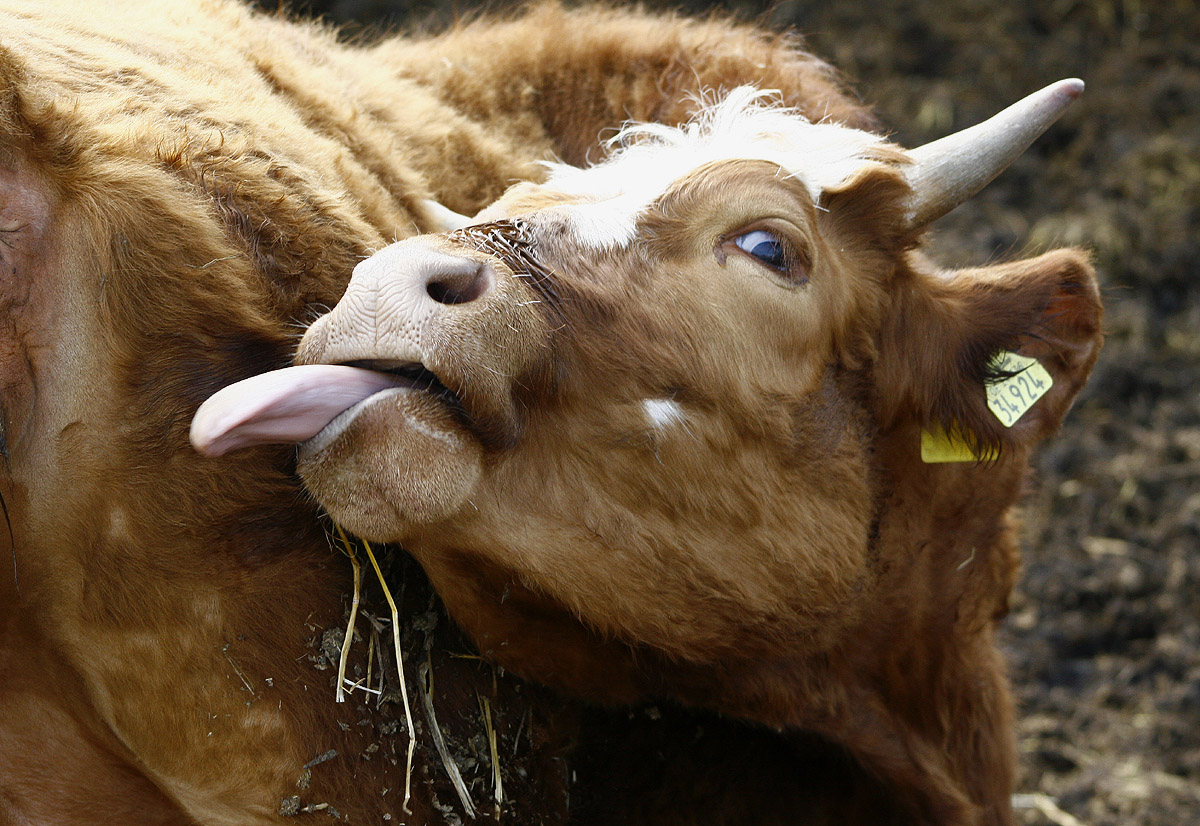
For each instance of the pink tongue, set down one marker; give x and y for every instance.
(287, 406)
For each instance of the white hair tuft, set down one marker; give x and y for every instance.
(748, 123)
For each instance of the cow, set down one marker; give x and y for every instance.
(700, 422)
(182, 186)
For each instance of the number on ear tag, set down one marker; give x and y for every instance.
(1011, 398)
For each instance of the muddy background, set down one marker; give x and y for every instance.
(1104, 637)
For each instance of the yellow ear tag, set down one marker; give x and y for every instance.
(938, 446)
(1011, 398)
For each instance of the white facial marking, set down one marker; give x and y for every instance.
(650, 157)
(663, 413)
(602, 225)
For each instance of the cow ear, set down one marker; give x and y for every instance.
(994, 355)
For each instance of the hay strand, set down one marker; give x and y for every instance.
(1048, 808)
(497, 784)
(349, 551)
(237, 670)
(412, 732)
(370, 661)
(425, 672)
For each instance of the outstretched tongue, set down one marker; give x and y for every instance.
(284, 406)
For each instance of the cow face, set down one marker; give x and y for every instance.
(643, 412)
(672, 405)
(661, 396)
(675, 401)
(655, 428)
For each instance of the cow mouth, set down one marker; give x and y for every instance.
(415, 376)
(410, 380)
(400, 456)
(313, 404)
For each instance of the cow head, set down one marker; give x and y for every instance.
(654, 390)
(655, 426)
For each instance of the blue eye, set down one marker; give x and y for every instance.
(764, 246)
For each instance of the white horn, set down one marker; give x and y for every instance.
(442, 219)
(950, 170)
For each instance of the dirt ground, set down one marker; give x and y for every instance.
(1104, 637)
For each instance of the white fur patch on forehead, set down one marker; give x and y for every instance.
(748, 124)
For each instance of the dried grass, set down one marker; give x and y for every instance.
(351, 553)
(1048, 808)
(425, 672)
(425, 684)
(485, 708)
(412, 731)
(348, 639)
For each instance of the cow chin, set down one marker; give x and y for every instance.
(398, 460)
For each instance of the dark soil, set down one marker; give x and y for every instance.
(1104, 637)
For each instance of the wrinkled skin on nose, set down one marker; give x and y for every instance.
(397, 302)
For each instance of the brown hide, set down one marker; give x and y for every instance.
(181, 185)
(773, 548)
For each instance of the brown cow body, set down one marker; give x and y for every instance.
(180, 184)
(656, 432)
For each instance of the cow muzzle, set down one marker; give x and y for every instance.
(399, 391)
(447, 321)
(458, 334)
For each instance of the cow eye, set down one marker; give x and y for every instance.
(772, 248)
(765, 246)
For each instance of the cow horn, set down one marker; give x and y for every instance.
(443, 219)
(952, 169)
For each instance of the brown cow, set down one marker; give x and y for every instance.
(182, 184)
(654, 429)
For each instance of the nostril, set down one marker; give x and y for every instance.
(459, 287)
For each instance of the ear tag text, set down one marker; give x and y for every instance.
(1011, 398)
